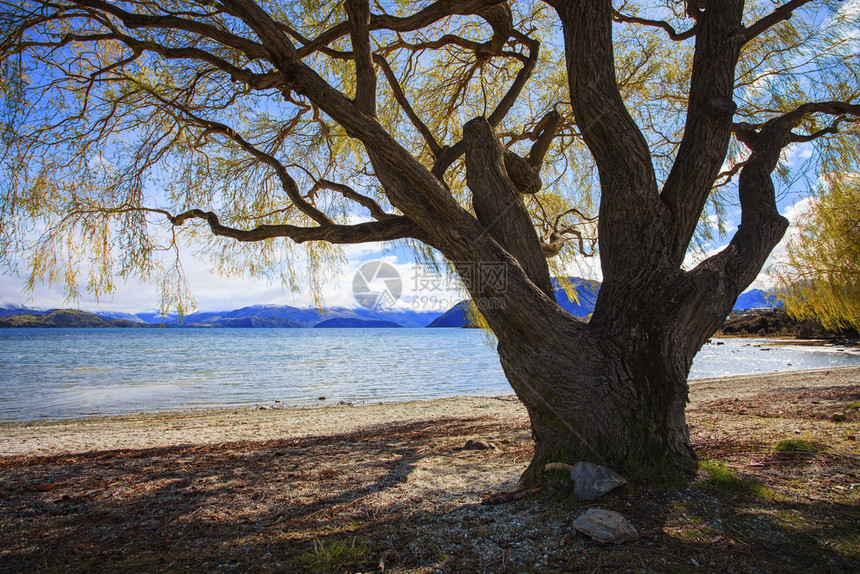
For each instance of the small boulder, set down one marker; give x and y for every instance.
(838, 417)
(605, 526)
(592, 481)
(473, 444)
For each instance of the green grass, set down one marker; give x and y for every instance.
(336, 556)
(723, 481)
(795, 445)
(854, 405)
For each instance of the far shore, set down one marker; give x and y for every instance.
(223, 425)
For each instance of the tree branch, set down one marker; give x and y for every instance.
(748, 133)
(781, 14)
(424, 196)
(387, 230)
(832, 129)
(287, 183)
(761, 225)
(421, 19)
(422, 128)
(450, 154)
(498, 205)
(673, 34)
(251, 49)
(358, 12)
(556, 240)
(708, 127)
(374, 208)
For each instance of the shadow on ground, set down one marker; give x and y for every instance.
(397, 498)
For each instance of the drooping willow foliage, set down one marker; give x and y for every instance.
(121, 117)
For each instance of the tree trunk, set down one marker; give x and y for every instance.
(601, 399)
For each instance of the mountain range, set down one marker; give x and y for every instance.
(285, 316)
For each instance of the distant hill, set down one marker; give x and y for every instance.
(757, 299)
(586, 292)
(349, 322)
(120, 316)
(9, 310)
(286, 316)
(68, 318)
(254, 316)
(456, 316)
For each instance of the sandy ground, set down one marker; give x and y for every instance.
(213, 426)
(345, 489)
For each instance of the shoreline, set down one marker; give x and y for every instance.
(207, 426)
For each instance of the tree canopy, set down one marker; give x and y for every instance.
(125, 120)
(820, 273)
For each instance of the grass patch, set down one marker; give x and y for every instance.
(854, 405)
(795, 446)
(723, 481)
(337, 556)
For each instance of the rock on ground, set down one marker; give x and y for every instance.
(592, 481)
(605, 526)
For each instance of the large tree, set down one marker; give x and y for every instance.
(482, 131)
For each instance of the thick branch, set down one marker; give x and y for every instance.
(761, 226)
(630, 212)
(425, 17)
(362, 52)
(133, 20)
(424, 197)
(748, 133)
(498, 205)
(708, 128)
(525, 172)
(387, 230)
(673, 34)
(542, 135)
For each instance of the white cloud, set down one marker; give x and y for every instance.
(213, 292)
(792, 213)
(794, 154)
(850, 10)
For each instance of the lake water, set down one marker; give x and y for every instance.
(65, 373)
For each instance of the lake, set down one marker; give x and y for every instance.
(69, 373)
